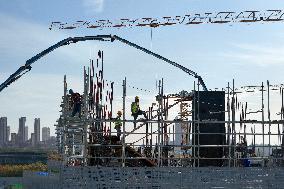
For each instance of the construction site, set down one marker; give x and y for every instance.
(193, 138)
(211, 133)
(89, 138)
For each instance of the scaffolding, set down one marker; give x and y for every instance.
(89, 139)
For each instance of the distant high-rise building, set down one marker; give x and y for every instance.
(3, 130)
(14, 138)
(26, 133)
(8, 133)
(45, 133)
(37, 130)
(21, 132)
(33, 142)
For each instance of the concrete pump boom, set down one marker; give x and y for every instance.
(27, 67)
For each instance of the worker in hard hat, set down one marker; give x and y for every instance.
(118, 124)
(76, 102)
(135, 110)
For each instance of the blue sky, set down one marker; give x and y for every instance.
(249, 53)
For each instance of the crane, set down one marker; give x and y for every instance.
(27, 67)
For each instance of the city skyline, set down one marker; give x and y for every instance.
(21, 134)
(15, 128)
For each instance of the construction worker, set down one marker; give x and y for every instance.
(76, 103)
(135, 110)
(118, 124)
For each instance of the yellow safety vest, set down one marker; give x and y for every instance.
(118, 123)
(134, 107)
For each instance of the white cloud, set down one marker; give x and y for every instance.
(94, 6)
(31, 38)
(259, 54)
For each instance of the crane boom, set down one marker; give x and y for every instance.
(27, 67)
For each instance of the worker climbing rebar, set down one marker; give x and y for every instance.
(136, 111)
(76, 103)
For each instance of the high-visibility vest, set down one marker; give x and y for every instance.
(117, 123)
(134, 107)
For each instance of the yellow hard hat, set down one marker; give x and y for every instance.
(119, 113)
(137, 98)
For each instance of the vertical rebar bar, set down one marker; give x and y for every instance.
(282, 117)
(262, 119)
(268, 113)
(159, 125)
(198, 125)
(193, 127)
(123, 109)
(85, 116)
(64, 115)
(229, 129)
(233, 123)
(111, 108)
(162, 123)
(162, 111)
(281, 110)
(147, 128)
(254, 137)
(282, 107)
(174, 137)
(151, 127)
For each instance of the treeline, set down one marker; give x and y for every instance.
(25, 149)
(54, 156)
(17, 170)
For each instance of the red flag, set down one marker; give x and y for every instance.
(97, 97)
(91, 85)
(279, 136)
(100, 54)
(236, 100)
(246, 107)
(93, 69)
(245, 130)
(241, 124)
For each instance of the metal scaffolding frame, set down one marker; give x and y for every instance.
(90, 139)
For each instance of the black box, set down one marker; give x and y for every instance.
(211, 107)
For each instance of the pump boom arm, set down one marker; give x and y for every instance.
(27, 67)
